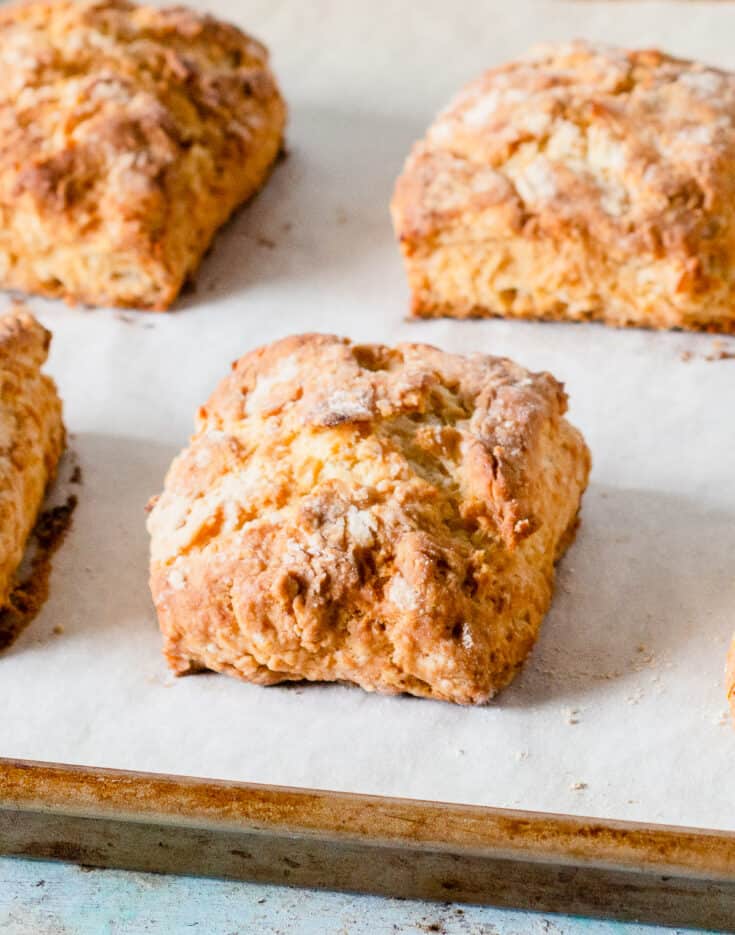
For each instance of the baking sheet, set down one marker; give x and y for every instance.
(620, 711)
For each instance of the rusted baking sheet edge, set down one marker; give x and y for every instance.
(400, 847)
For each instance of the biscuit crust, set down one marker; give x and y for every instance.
(128, 135)
(578, 182)
(31, 435)
(730, 678)
(388, 517)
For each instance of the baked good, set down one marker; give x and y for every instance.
(357, 513)
(31, 435)
(730, 678)
(579, 182)
(128, 135)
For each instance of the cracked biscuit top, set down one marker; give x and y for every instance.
(389, 517)
(128, 134)
(610, 172)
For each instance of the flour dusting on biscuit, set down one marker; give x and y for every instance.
(129, 135)
(578, 182)
(384, 516)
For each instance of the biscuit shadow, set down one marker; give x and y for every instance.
(99, 580)
(648, 576)
(322, 213)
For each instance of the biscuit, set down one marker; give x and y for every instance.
(129, 135)
(579, 182)
(388, 517)
(31, 436)
(730, 678)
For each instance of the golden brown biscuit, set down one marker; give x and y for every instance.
(389, 517)
(730, 678)
(579, 182)
(128, 135)
(31, 435)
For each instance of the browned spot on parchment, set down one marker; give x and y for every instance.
(28, 596)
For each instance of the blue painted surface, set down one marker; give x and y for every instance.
(39, 898)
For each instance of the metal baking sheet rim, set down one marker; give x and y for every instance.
(398, 847)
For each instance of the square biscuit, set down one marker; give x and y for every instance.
(389, 517)
(578, 182)
(31, 436)
(128, 135)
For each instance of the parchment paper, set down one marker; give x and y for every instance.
(620, 710)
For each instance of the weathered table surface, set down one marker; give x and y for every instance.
(39, 898)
